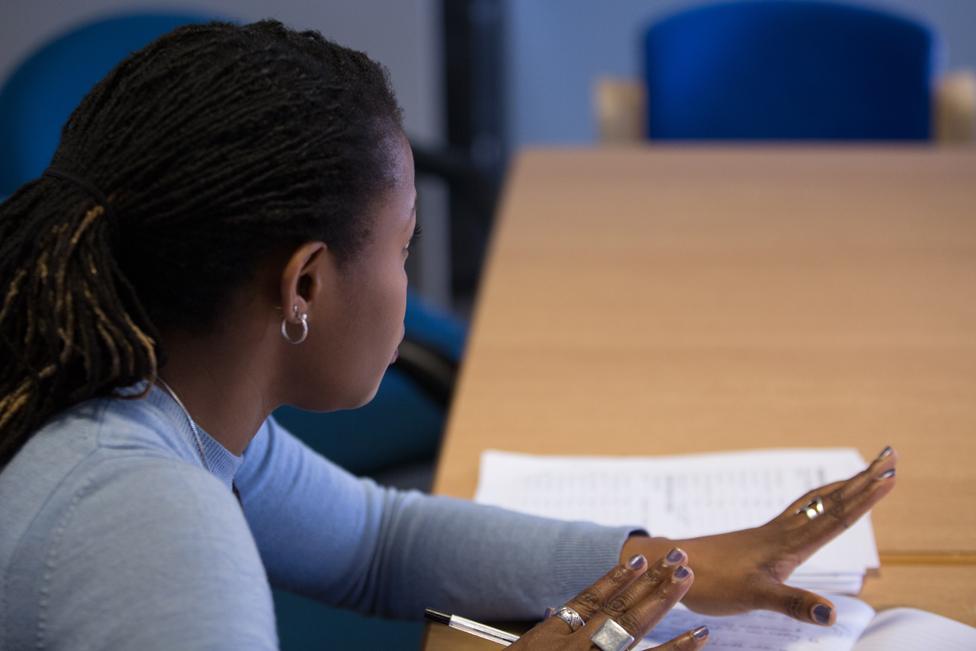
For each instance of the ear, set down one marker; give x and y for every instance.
(304, 279)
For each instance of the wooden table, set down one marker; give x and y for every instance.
(672, 300)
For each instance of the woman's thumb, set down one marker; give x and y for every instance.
(799, 604)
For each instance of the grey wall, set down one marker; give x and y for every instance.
(557, 48)
(402, 34)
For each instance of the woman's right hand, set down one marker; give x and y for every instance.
(633, 595)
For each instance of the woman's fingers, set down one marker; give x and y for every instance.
(690, 641)
(662, 570)
(884, 463)
(799, 604)
(863, 480)
(842, 511)
(593, 598)
(642, 605)
(840, 498)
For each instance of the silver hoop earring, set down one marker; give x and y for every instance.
(303, 319)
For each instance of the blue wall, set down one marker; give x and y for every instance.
(558, 48)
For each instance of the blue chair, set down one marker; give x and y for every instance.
(404, 422)
(788, 70)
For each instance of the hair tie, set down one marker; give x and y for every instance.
(85, 185)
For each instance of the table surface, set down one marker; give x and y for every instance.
(656, 300)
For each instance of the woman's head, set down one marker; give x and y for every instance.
(221, 149)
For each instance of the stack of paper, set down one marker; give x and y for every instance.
(687, 496)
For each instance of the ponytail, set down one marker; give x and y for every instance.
(71, 326)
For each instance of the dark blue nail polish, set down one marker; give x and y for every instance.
(636, 561)
(821, 614)
(886, 452)
(675, 556)
(700, 633)
(681, 573)
(887, 474)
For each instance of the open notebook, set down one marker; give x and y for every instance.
(858, 628)
(686, 496)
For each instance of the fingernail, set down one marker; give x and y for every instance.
(887, 474)
(821, 614)
(674, 556)
(886, 452)
(636, 561)
(700, 633)
(681, 573)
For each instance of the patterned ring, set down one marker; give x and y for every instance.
(569, 616)
(612, 637)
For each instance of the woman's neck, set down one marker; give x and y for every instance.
(223, 382)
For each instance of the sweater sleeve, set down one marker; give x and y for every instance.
(351, 543)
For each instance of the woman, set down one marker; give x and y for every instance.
(223, 230)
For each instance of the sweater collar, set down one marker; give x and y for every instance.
(221, 462)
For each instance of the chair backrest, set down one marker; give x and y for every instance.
(39, 96)
(788, 69)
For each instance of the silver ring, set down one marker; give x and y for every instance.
(814, 509)
(611, 636)
(569, 616)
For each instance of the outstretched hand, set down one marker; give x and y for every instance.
(746, 570)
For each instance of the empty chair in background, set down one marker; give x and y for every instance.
(798, 70)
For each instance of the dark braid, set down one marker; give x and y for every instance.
(217, 146)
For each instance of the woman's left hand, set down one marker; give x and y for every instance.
(745, 570)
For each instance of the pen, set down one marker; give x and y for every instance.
(471, 627)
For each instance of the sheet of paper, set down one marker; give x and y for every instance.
(908, 629)
(683, 496)
(767, 631)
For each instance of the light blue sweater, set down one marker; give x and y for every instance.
(113, 535)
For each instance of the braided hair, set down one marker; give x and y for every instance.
(217, 146)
